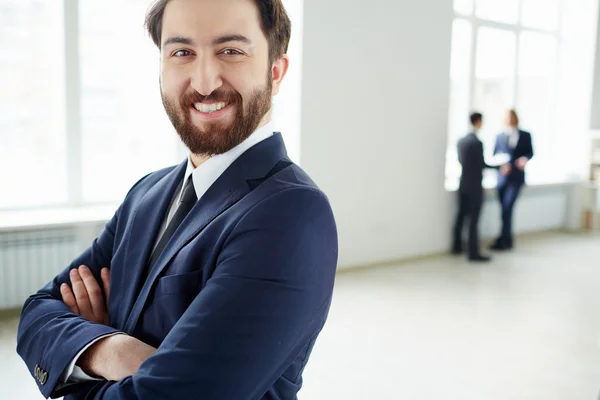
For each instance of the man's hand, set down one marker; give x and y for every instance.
(505, 169)
(521, 163)
(85, 298)
(115, 357)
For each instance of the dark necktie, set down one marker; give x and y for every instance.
(188, 199)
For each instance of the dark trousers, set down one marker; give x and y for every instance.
(508, 195)
(469, 205)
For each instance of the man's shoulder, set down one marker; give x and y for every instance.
(469, 140)
(149, 180)
(289, 182)
(292, 177)
(525, 133)
(158, 175)
(298, 176)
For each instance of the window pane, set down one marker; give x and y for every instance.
(540, 14)
(460, 72)
(494, 78)
(506, 11)
(536, 91)
(464, 7)
(126, 133)
(32, 107)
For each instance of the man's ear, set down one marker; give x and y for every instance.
(278, 71)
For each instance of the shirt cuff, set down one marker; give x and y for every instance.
(73, 373)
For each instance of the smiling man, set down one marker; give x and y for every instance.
(214, 277)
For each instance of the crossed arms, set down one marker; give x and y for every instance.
(114, 357)
(266, 300)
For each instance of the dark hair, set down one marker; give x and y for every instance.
(475, 118)
(275, 24)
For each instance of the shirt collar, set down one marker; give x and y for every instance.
(512, 131)
(208, 172)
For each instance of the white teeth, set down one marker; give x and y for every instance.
(209, 108)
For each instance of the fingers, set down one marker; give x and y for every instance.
(94, 294)
(105, 275)
(81, 295)
(69, 298)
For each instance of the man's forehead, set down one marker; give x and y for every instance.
(210, 18)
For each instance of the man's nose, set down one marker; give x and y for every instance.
(206, 76)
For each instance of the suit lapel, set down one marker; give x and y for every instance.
(518, 141)
(506, 143)
(146, 223)
(228, 189)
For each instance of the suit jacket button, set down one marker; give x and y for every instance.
(36, 372)
(44, 377)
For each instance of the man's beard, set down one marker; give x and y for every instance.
(217, 137)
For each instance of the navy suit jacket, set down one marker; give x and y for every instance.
(234, 303)
(471, 158)
(524, 148)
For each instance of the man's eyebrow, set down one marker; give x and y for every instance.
(231, 38)
(178, 40)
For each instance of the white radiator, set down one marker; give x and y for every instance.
(31, 259)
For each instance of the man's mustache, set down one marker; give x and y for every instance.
(216, 96)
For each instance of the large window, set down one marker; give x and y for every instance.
(81, 117)
(505, 55)
(125, 132)
(32, 107)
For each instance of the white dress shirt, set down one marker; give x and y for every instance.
(203, 177)
(513, 137)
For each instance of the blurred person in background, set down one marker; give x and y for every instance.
(516, 145)
(214, 277)
(470, 191)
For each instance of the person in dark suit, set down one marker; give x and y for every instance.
(516, 145)
(470, 191)
(214, 278)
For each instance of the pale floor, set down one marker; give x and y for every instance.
(526, 326)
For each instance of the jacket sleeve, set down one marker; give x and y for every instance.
(49, 334)
(460, 151)
(529, 147)
(497, 145)
(481, 158)
(265, 303)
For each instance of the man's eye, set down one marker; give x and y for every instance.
(181, 53)
(231, 52)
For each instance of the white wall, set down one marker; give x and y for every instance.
(575, 86)
(374, 125)
(375, 105)
(595, 112)
(286, 105)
